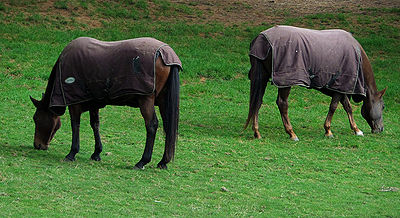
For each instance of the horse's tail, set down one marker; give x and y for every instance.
(171, 117)
(257, 88)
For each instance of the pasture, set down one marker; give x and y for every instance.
(219, 169)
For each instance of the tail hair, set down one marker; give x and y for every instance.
(171, 120)
(257, 89)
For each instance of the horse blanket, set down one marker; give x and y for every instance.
(319, 59)
(89, 69)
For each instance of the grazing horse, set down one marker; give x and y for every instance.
(330, 61)
(90, 74)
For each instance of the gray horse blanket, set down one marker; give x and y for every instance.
(320, 59)
(89, 69)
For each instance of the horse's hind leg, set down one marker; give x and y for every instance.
(332, 109)
(163, 163)
(95, 124)
(347, 107)
(283, 105)
(255, 127)
(151, 122)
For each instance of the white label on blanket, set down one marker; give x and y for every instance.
(70, 80)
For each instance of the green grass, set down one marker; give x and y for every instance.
(219, 170)
(61, 4)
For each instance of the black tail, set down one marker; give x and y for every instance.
(258, 82)
(170, 122)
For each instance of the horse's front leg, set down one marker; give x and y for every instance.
(347, 107)
(95, 124)
(283, 105)
(151, 122)
(75, 114)
(332, 108)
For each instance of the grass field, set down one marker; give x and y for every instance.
(219, 169)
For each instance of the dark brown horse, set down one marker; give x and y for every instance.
(261, 72)
(165, 96)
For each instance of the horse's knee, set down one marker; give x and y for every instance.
(281, 103)
(95, 125)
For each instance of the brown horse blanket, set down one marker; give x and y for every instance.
(320, 59)
(89, 69)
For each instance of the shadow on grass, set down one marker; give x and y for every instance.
(28, 151)
(24, 152)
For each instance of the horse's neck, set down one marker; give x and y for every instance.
(368, 74)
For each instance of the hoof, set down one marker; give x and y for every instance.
(138, 168)
(69, 159)
(359, 133)
(162, 166)
(296, 139)
(329, 136)
(95, 157)
(257, 135)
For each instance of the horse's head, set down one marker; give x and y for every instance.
(46, 125)
(372, 109)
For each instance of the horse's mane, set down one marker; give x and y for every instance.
(368, 72)
(50, 84)
(49, 89)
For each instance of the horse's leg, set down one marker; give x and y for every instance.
(347, 107)
(332, 108)
(255, 127)
(283, 105)
(163, 163)
(75, 114)
(151, 123)
(95, 124)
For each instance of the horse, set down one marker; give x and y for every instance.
(115, 62)
(265, 61)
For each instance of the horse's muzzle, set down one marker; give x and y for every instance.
(377, 130)
(40, 146)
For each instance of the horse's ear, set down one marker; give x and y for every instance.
(381, 93)
(35, 102)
